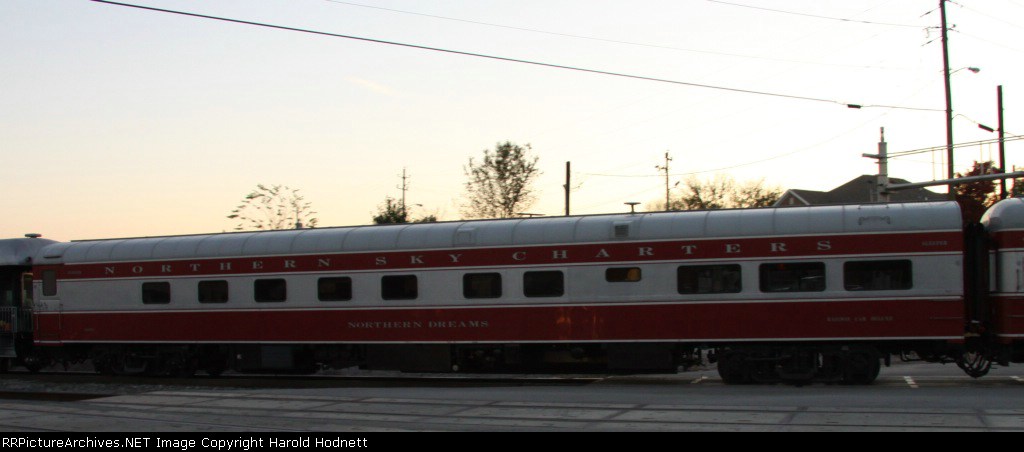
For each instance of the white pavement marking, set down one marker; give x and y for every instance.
(910, 382)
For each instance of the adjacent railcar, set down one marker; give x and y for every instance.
(1003, 310)
(806, 293)
(16, 285)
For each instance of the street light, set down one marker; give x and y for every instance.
(969, 68)
(949, 98)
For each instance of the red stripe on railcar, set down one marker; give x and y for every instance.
(509, 256)
(642, 322)
(1009, 315)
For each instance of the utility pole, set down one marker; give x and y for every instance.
(883, 169)
(404, 187)
(665, 169)
(949, 98)
(1002, 142)
(567, 180)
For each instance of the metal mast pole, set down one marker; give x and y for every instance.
(1002, 142)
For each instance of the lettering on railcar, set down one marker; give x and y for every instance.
(680, 250)
(414, 324)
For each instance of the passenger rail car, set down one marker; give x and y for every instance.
(790, 294)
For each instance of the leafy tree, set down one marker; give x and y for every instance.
(501, 184)
(723, 192)
(975, 197)
(272, 208)
(392, 212)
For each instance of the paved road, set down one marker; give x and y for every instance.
(906, 397)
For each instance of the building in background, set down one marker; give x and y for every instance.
(857, 191)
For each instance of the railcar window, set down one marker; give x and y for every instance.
(49, 283)
(624, 274)
(543, 284)
(701, 279)
(793, 277)
(878, 275)
(213, 291)
(270, 290)
(399, 287)
(334, 289)
(156, 293)
(481, 285)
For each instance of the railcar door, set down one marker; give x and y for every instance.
(46, 308)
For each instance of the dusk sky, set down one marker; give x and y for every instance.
(118, 122)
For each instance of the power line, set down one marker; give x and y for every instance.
(998, 19)
(513, 60)
(615, 41)
(794, 13)
(959, 145)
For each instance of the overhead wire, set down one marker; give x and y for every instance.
(794, 13)
(515, 60)
(614, 41)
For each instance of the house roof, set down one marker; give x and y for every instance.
(857, 191)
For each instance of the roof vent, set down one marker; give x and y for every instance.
(621, 230)
(862, 221)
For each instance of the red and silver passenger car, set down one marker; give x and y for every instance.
(806, 293)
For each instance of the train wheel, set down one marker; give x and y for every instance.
(975, 364)
(734, 368)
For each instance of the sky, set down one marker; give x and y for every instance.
(121, 122)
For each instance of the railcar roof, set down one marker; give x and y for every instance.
(1006, 214)
(21, 251)
(520, 232)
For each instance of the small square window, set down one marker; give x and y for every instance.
(156, 293)
(544, 284)
(399, 287)
(334, 289)
(213, 291)
(623, 274)
(270, 290)
(481, 285)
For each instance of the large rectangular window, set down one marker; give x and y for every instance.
(334, 289)
(399, 287)
(156, 292)
(704, 279)
(793, 277)
(213, 291)
(270, 290)
(622, 274)
(481, 285)
(544, 284)
(878, 275)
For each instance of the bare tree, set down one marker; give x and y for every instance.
(723, 192)
(755, 194)
(500, 185)
(272, 208)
